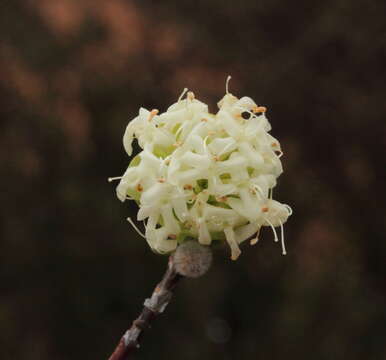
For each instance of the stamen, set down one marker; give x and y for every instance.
(273, 229)
(180, 129)
(205, 148)
(153, 113)
(135, 228)
(227, 84)
(259, 109)
(231, 240)
(259, 190)
(182, 94)
(284, 252)
(190, 95)
(255, 239)
(110, 179)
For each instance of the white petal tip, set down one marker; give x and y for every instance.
(254, 241)
(235, 255)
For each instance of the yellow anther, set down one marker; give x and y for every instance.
(259, 109)
(190, 95)
(153, 113)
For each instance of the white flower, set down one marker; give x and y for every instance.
(204, 176)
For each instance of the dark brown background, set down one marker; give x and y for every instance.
(73, 274)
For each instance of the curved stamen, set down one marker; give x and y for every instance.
(276, 239)
(255, 239)
(136, 228)
(227, 84)
(282, 238)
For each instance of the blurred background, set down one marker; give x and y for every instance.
(73, 273)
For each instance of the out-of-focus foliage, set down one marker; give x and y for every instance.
(73, 273)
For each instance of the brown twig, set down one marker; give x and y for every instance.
(153, 306)
(190, 260)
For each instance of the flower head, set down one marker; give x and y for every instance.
(204, 176)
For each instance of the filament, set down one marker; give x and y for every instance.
(182, 94)
(259, 190)
(110, 179)
(276, 239)
(227, 84)
(256, 238)
(282, 238)
(179, 130)
(205, 148)
(136, 228)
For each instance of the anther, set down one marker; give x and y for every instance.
(153, 113)
(190, 95)
(259, 109)
(255, 239)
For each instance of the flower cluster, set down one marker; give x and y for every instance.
(204, 176)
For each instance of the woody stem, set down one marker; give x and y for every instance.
(153, 306)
